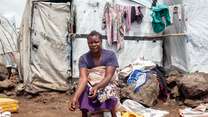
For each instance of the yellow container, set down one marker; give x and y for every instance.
(7, 104)
(130, 114)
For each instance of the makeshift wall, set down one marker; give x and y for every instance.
(45, 52)
(89, 17)
(8, 37)
(197, 28)
(24, 42)
(8, 43)
(175, 46)
(189, 52)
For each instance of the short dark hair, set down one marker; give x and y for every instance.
(94, 33)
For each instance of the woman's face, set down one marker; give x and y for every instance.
(94, 44)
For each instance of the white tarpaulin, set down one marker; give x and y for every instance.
(175, 46)
(8, 43)
(197, 28)
(8, 37)
(189, 52)
(49, 51)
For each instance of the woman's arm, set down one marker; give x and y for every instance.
(109, 72)
(81, 86)
(82, 82)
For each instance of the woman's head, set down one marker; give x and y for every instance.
(94, 40)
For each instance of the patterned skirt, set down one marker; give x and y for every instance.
(92, 106)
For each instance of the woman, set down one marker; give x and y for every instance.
(95, 57)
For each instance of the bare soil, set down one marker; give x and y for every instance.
(55, 104)
(46, 105)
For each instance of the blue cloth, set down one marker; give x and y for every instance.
(137, 78)
(134, 76)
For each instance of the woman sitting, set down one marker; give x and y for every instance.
(85, 96)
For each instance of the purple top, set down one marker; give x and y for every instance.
(108, 58)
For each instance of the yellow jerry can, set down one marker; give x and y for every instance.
(130, 114)
(7, 104)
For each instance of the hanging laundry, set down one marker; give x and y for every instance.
(132, 14)
(175, 10)
(136, 14)
(113, 21)
(154, 3)
(127, 17)
(159, 12)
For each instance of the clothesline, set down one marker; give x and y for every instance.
(149, 6)
(136, 38)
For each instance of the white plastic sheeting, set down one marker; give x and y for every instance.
(49, 61)
(8, 37)
(8, 43)
(89, 15)
(197, 28)
(175, 46)
(133, 106)
(46, 62)
(189, 52)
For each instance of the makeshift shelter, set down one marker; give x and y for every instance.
(44, 51)
(47, 53)
(8, 43)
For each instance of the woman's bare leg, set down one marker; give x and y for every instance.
(113, 112)
(84, 113)
(97, 114)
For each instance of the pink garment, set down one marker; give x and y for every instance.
(127, 11)
(113, 21)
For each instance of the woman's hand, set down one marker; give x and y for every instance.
(81, 87)
(93, 92)
(73, 105)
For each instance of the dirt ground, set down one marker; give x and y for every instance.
(45, 105)
(55, 104)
